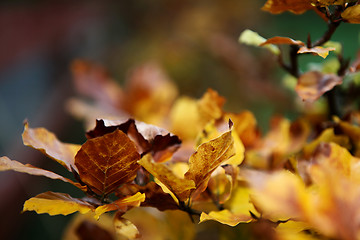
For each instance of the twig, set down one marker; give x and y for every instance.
(191, 212)
(332, 26)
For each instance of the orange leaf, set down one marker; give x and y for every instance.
(210, 106)
(312, 85)
(57, 203)
(294, 6)
(352, 14)
(46, 142)
(7, 164)
(121, 205)
(207, 158)
(178, 186)
(282, 40)
(108, 161)
(320, 51)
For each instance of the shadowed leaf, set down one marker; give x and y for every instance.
(106, 162)
(8, 164)
(91, 231)
(46, 142)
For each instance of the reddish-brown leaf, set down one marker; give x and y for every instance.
(312, 85)
(294, 6)
(108, 161)
(282, 40)
(46, 142)
(8, 164)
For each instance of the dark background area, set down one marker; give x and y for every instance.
(196, 42)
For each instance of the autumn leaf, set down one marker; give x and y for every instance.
(225, 217)
(46, 142)
(282, 40)
(320, 51)
(294, 6)
(57, 203)
(252, 38)
(8, 164)
(207, 158)
(351, 14)
(106, 162)
(210, 106)
(121, 205)
(178, 186)
(125, 228)
(312, 85)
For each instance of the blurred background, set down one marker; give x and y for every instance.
(195, 42)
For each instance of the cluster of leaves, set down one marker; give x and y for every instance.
(299, 181)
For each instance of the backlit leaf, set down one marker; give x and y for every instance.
(320, 51)
(56, 203)
(121, 205)
(352, 14)
(225, 217)
(8, 164)
(312, 85)
(294, 6)
(108, 161)
(46, 142)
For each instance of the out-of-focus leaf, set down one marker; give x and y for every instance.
(56, 203)
(87, 230)
(312, 85)
(210, 106)
(207, 158)
(352, 131)
(121, 205)
(352, 14)
(8, 164)
(254, 39)
(178, 186)
(282, 40)
(108, 161)
(327, 135)
(46, 142)
(294, 230)
(225, 217)
(320, 51)
(294, 6)
(124, 228)
(220, 185)
(332, 44)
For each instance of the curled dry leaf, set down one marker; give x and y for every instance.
(294, 6)
(351, 14)
(46, 142)
(282, 40)
(8, 164)
(57, 203)
(312, 85)
(320, 51)
(106, 162)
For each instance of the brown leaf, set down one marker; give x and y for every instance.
(8, 164)
(282, 40)
(57, 203)
(294, 6)
(46, 142)
(207, 158)
(210, 106)
(312, 85)
(320, 51)
(148, 138)
(352, 14)
(88, 230)
(108, 161)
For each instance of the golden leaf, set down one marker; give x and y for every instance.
(46, 142)
(126, 229)
(352, 14)
(320, 51)
(108, 161)
(56, 203)
(8, 164)
(225, 217)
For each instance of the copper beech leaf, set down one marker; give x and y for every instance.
(320, 51)
(57, 203)
(312, 85)
(294, 6)
(46, 142)
(180, 187)
(208, 157)
(8, 164)
(108, 161)
(352, 14)
(282, 40)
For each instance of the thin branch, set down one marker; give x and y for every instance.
(332, 26)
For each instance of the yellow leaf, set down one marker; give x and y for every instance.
(178, 186)
(46, 142)
(210, 106)
(121, 205)
(225, 217)
(125, 228)
(56, 203)
(352, 14)
(320, 51)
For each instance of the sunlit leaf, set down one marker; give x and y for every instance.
(312, 85)
(121, 205)
(282, 40)
(46, 142)
(352, 14)
(108, 161)
(178, 186)
(56, 203)
(8, 164)
(225, 217)
(320, 51)
(294, 6)
(125, 228)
